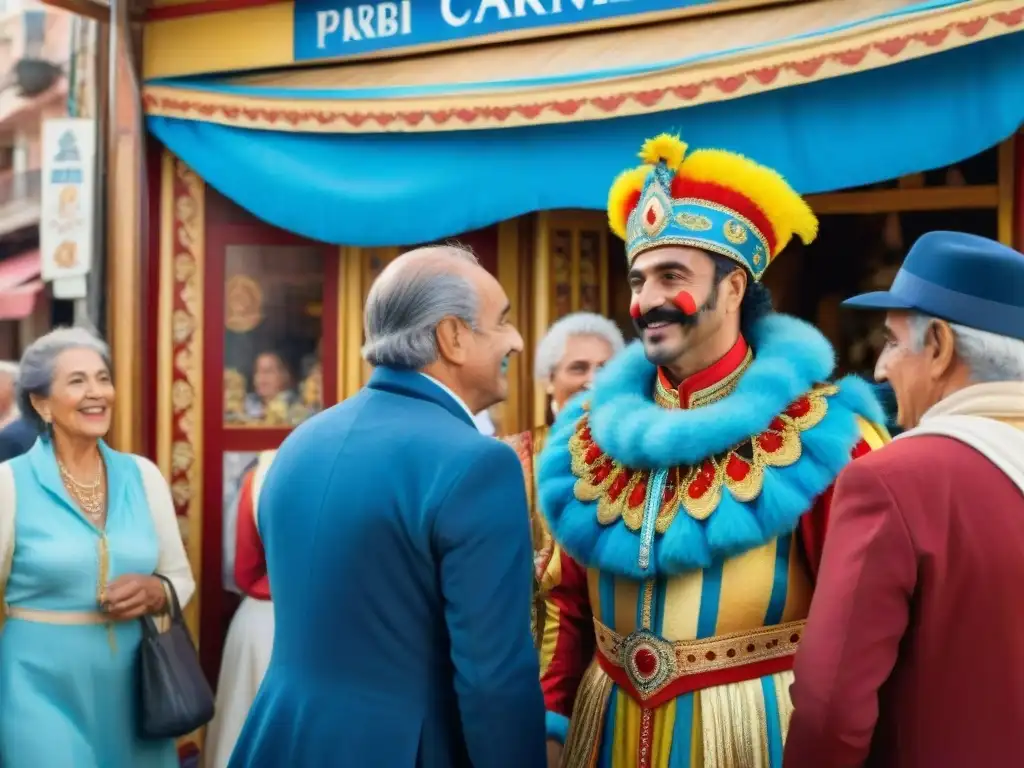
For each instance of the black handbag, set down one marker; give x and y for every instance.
(174, 695)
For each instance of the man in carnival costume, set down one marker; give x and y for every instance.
(689, 490)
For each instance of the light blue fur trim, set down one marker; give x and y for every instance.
(557, 726)
(790, 357)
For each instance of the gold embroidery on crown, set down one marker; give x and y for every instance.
(694, 222)
(734, 232)
(621, 492)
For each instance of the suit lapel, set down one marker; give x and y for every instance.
(416, 385)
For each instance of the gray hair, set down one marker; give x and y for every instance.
(37, 363)
(552, 347)
(989, 357)
(407, 301)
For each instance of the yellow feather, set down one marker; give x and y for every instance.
(788, 213)
(664, 148)
(627, 183)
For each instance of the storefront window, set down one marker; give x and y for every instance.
(273, 303)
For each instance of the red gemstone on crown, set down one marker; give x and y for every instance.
(652, 215)
(645, 662)
(770, 442)
(593, 452)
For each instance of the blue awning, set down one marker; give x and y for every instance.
(399, 189)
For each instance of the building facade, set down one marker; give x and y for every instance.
(34, 57)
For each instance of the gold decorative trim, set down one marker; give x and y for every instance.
(180, 357)
(652, 663)
(621, 492)
(587, 722)
(669, 398)
(802, 60)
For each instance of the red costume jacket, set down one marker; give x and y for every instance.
(250, 561)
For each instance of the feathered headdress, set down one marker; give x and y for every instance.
(710, 199)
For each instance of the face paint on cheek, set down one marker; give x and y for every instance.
(685, 302)
(634, 309)
(505, 364)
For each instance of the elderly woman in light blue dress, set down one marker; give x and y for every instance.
(83, 530)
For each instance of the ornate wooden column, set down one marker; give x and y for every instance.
(125, 257)
(1018, 190)
(179, 375)
(1008, 211)
(570, 275)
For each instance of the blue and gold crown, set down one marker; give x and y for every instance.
(714, 200)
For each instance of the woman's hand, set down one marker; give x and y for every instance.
(134, 595)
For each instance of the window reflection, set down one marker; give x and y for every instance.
(272, 350)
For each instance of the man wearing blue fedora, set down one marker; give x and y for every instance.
(912, 653)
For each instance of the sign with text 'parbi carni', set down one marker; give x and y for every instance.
(342, 28)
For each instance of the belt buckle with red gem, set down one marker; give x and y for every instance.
(649, 662)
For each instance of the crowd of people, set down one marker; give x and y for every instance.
(713, 554)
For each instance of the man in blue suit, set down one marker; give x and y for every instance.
(398, 549)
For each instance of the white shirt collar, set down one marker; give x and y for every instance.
(456, 398)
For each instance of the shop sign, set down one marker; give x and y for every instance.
(68, 197)
(343, 28)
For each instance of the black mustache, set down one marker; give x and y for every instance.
(665, 315)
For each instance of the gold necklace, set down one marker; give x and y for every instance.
(90, 496)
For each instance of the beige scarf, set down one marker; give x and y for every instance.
(987, 417)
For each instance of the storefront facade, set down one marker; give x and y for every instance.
(296, 147)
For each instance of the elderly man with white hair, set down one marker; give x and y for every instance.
(398, 549)
(912, 652)
(568, 357)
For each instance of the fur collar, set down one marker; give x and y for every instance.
(790, 357)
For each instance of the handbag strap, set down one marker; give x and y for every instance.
(149, 627)
(174, 608)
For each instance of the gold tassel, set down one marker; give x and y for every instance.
(584, 737)
(104, 576)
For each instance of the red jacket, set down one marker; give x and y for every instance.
(914, 651)
(250, 561)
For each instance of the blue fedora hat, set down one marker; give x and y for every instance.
(960, 278)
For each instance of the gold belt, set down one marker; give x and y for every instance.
(56, 617)
(651, 664)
